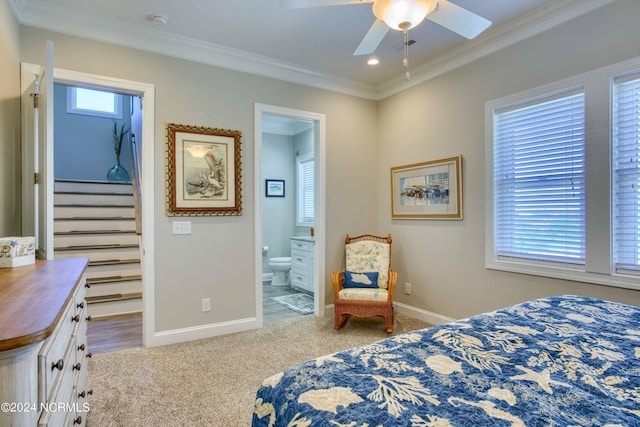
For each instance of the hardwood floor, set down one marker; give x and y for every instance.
(125, 331)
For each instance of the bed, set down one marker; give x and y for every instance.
(558, 361)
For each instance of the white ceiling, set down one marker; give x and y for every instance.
(310, 46)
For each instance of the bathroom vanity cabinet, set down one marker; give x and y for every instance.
(301, 275)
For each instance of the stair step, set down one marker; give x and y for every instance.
(96, 218)
(108, 308)
(113, 297)
(93, 239)
(87, 186)
(94, 193)
(63, 199)
(89, 205)
(90, 232)
(111, 279)
(94, 247)
(93, 211)
(113, 262)
(101, 253)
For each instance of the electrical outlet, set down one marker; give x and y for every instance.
(407, 288)
(182, 227)
(206, 304)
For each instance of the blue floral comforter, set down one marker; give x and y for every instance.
(558, 361)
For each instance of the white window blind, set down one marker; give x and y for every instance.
(626, 174)
(539, 179)
(306, 191)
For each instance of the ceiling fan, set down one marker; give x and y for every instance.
(403, 15)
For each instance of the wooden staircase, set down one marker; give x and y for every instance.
(97, 220)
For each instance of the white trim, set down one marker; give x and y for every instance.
(598, 267)
(320, 181)
(41, 14)
(174, 336)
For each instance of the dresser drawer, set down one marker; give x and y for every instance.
(299, 279)
(302, 245)
(54, 356)
(57, 411)
(300, 259)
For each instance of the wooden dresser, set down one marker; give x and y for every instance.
(43, 344)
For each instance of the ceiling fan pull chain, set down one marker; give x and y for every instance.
(405, 60)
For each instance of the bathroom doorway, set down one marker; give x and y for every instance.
(290, 212)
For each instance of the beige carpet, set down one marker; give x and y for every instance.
(212, 382)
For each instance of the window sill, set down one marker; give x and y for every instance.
(565, 273)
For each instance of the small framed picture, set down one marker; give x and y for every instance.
(274, 187)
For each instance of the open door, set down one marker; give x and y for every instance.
(37, 204)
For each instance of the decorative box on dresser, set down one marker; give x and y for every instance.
(43, 344)
(302, 257)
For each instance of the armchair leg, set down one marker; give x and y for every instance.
(341, 319)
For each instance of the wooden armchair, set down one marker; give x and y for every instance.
(366, 286)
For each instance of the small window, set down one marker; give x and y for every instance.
(93, 102)
(306, 190)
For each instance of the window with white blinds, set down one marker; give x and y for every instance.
(539, 179)
(626, 174)
(306, 190)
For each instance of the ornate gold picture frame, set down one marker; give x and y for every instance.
(204, 171)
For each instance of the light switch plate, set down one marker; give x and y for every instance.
(182, 227)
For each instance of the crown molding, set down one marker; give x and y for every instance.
(493, 40)
(41, 14)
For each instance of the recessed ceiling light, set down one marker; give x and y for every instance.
(373, 61)
(159, 19)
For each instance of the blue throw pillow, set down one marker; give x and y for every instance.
(354, 279)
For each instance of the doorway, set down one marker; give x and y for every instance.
(146, 93)
(285, 139)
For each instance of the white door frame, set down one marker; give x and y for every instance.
(147, 92)
(320, 201)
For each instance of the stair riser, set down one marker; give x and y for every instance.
(101, 254)
(95, 239)
(102, 289)
(91, 225)
(95, 271)
(98, 310)
(94, 212)
(97, 187)
(92, 199)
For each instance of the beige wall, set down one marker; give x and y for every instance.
(9, 122)
(444, 117)
(216, 261)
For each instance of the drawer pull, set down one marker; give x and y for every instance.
(85, 393)
(81, 347)
(78, 420)
(299, 259)
(57, 365)
(75, 318)
(77, 366)
(89, 355)
(80, 305)
(86, 285)
(88, 318)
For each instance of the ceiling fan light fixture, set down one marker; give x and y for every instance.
(403, 14)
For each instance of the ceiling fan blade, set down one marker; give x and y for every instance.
(303, 4)
(458, 19)
(372, 39)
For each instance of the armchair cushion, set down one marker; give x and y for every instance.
(367, 255)
(365, 279)
(363, 294)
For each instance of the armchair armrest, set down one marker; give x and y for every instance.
(337, 280)
(393, 276)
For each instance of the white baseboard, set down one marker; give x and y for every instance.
(266, 277)
(407, 310)
(204, 331)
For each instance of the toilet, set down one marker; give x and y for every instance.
(280, 267)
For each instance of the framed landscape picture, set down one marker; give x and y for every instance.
(204, 171)
(428, 190)
(274, 187)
